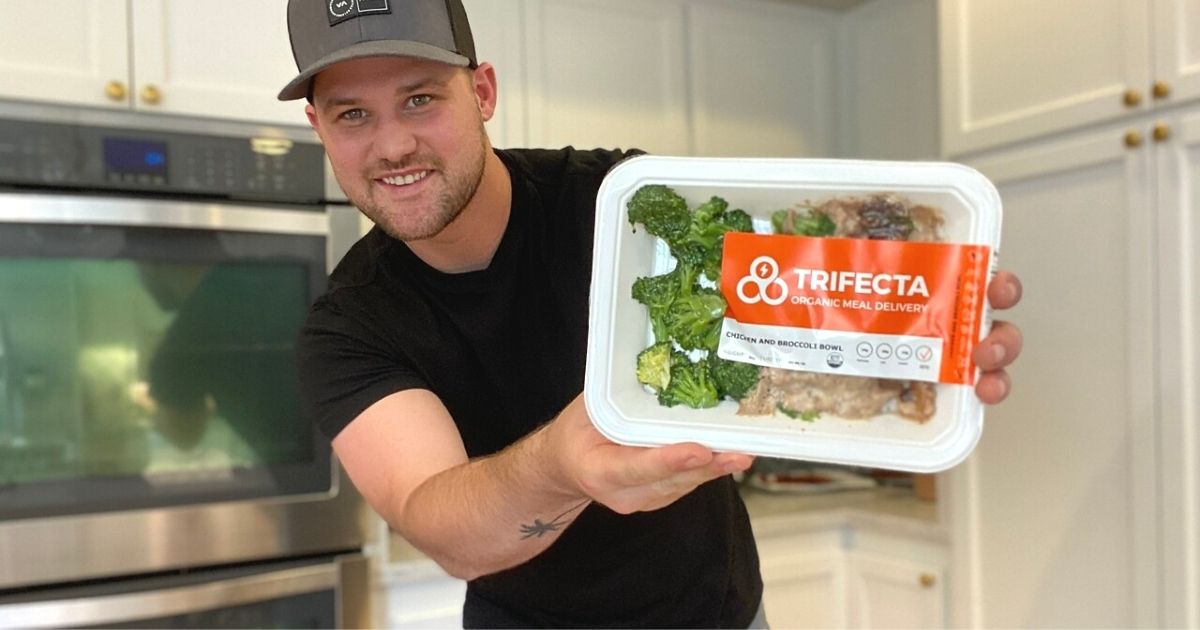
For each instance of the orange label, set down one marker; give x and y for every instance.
(885, 295)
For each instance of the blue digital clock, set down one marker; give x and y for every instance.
(135, 157)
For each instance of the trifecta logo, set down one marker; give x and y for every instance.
(764, 275)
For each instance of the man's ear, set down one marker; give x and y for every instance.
(484, 79)
(311, 112)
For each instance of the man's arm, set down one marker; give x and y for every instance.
(477, 517)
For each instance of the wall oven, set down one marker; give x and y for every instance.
(154, 272)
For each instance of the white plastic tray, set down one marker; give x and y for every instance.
(627, 412)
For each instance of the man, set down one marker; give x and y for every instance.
(446, 360)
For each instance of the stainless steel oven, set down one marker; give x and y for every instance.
(154, 272)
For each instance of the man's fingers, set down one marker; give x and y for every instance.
(647, 465)
(993, 387)
(1000, 348)
(1005, 290)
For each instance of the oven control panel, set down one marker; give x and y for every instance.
(128, 160)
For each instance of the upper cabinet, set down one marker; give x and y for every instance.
(218, 58)
(682, 77)
(762, 81)
(1016, 69)
(221, 58)
(607, 74)
(80, 56)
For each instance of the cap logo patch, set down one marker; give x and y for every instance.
(343, 10)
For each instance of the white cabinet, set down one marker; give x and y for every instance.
(1055, 512)
(762, 79)
(847, 577)
(887, 592)
(682, 77)
(1016, 69)
(804, 580)
(1178, 168)
(67, 54)
(218, 58)
(607, 74)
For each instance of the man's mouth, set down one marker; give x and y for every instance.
(405, 180)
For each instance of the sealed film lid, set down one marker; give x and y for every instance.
(822, 310)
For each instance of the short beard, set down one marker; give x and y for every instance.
(460, 189)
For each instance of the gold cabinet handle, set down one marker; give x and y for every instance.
(1162, 132)
(928, 580)
(1161, 89)
(151, 95)
(1133, 138)
(115, 91)
(1132, 98)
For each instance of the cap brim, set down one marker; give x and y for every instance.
(298, 87)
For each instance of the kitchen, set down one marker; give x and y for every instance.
(1079, 506)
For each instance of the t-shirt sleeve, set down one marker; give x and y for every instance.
(344, 369)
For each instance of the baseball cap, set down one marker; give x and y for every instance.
(325, 32)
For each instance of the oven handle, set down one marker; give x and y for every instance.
(30, 208)
(167, 602)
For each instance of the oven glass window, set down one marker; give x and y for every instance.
(149, 379)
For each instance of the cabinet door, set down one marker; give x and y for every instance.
(891, 593)
(218, 58)
(1054, 514)
(762, 79)
(64, 54)
(607, 74)
(1177, 47)
(1179, 356)
(804, 590)
(498, 27)
(1013, 69)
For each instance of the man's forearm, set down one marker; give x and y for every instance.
(492, 513)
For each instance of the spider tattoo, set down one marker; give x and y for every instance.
(539, 529)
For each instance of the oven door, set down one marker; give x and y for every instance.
(323, 593)
(150, 415)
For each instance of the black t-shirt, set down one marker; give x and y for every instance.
(504, 350)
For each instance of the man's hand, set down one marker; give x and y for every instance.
(1003, 345)
(630, 479)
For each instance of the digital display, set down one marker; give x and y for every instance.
(136, 157)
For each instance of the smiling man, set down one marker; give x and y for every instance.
(446, 359)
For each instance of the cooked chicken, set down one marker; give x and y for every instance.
(881, 217)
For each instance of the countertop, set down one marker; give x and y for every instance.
(889, 510)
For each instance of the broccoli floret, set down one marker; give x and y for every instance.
(663, 212)
(654, 366)
(694, 321)
(807, 416)
(810, 223)
(738, 221)
(657, 293)
(732, 378)
(710, 211)
(703, 246)
(690, 385)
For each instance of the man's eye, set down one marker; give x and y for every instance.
(352, 114)
(420, 100)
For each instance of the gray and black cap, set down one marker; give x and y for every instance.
(325, 32)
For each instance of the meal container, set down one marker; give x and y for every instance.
(628, 412)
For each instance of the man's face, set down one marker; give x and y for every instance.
(405, 137)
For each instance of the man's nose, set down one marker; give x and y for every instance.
(395, 140)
